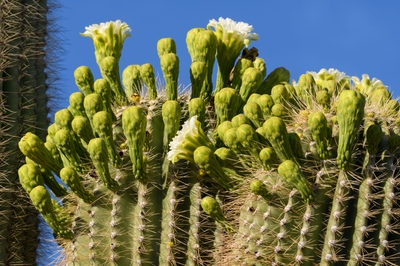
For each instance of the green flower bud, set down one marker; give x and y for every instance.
(266, 103)
(373, 136)
(103, 126)
(102, 88)
(66, 145)
(251, 80)
(81, 126)
(227, 102)
(71, 178)
(98, 153)
(239, 120)
(84, 79)
(230, 139)
(276, 133)
(247, 136)
(32, 147)
(42, 201)
(49, 179)
(277, 76)
(30, 177)
(134, 126)
(260, 189)
(197, 108)
(291, 173)
(253, 98)
(323, 98)
(166, 46)
(76, 104)
(147, 75)
(305, 88)
(225, 156)
(202, 46)
(279, 110)
(268, 158)
(380, 97)
(131, 80)
(63, 119)
(223, 127)
(393, 107)
(171, 113)
(350, 112)
(204, 157)
(237, 75)
(110, 71)
(319, 130)
(170, 68)
(212, 208)
(253, 111)
(198, 72)
(279, 94)
(93, 103)
(51, 146)
(295, 145)
(259, 63)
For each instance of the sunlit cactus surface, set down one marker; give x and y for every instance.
(255, 170)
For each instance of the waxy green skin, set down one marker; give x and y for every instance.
(255, 173)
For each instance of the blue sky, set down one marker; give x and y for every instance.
(355, 37)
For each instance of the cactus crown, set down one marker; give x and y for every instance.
(256, 171)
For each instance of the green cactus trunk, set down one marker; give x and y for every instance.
(23, 108)
(295, 180)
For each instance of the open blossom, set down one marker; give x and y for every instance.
(227, 28)
(108, 38)
(232, 37)
(367, 85)
(187, 140)
(331, 73)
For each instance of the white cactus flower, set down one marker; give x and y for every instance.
(240, 31)
(108, 38)
(187, 140)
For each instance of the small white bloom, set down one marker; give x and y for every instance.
(367, 85)
(117, 27)
(331, 72)
(108, 38)
(187, 140)
(239, 30)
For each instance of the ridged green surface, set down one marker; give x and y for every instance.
(23, 108)
(300, 178)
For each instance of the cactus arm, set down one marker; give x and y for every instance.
(333, 234)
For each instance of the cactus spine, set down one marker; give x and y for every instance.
(23, 108)
(256, 172)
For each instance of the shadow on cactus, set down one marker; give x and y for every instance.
(256, 171)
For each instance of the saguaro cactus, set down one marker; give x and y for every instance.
(301, 178)
(23, 108)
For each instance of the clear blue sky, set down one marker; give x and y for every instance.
(355, 37)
